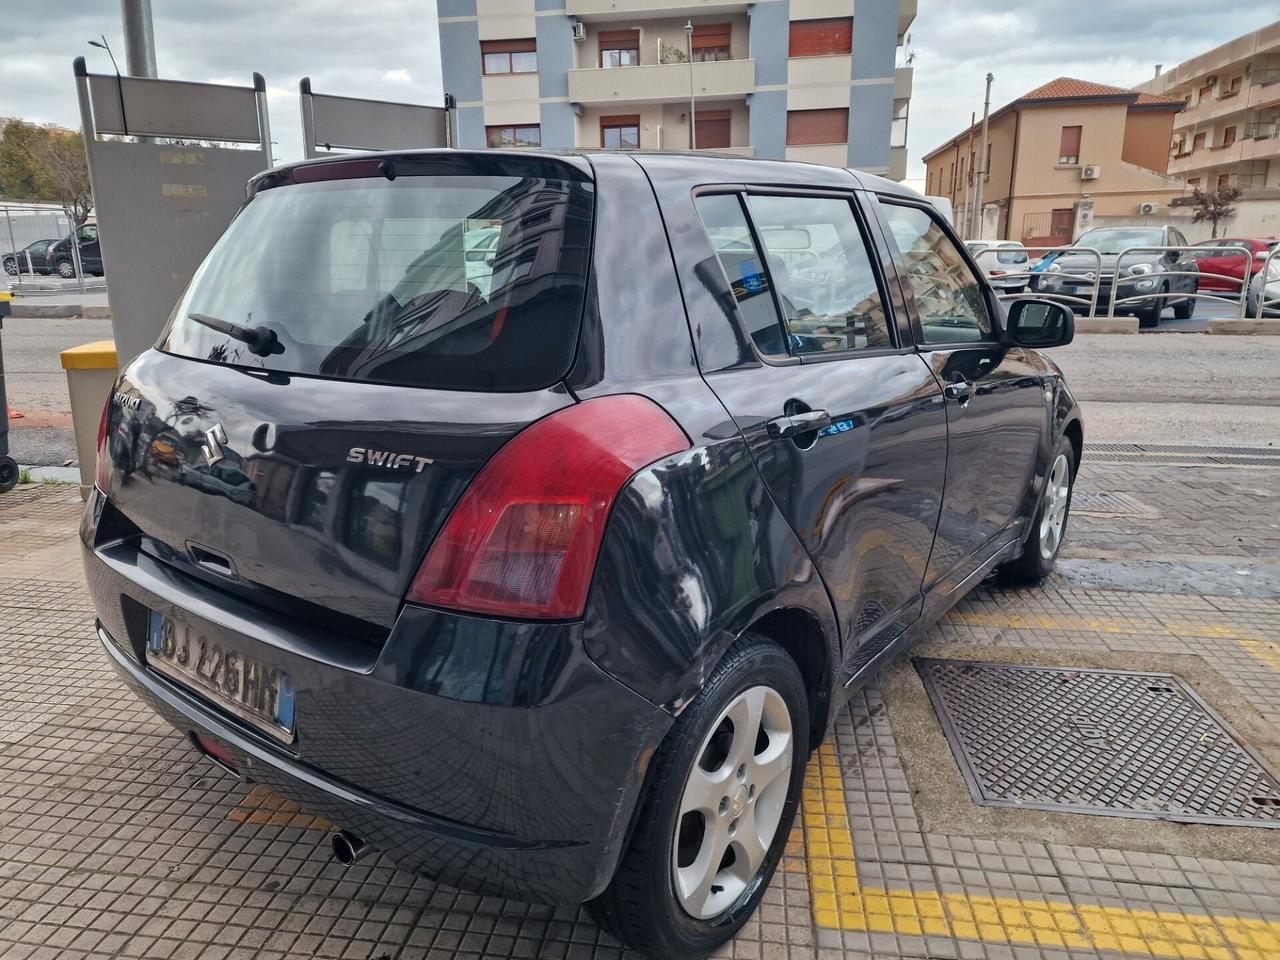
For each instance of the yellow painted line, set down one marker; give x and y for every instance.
(1265, 650)
(262, 806)
(1017, 621)
(841, 903)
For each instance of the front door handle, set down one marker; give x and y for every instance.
(797, 423)
(961, 390)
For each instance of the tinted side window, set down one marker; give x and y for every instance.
(948, 296)
(819, 263)
(726, 226)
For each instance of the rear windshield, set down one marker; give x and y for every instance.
(455, 282)
(1009, 255)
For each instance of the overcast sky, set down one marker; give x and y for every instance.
(390, 49)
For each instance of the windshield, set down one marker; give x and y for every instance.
(458, 282)
(1118, 239)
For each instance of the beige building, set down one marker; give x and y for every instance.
(1229, 130)
(813, 80)
(1057, 157)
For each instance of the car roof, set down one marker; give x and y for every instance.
(714, 166)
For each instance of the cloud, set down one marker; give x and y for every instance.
(375, 48)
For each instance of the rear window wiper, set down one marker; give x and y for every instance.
(261, 341)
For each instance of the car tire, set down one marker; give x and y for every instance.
(9, 474)
(1149, 317)
(11, 267)
(1184, 309)
(664, 899)
(65, 269)
(1049, 526)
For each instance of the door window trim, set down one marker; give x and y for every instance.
(994, 311)
(742, 191)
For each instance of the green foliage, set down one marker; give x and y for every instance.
(45, 164)
(24, 476)
(1211, 205)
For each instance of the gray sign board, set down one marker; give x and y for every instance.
(351, 123)
(160, 205)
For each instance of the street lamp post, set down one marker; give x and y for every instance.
(693, 106)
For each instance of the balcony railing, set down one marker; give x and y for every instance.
(662, 81)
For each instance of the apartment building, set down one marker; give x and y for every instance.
(1229, 130)
(1057, 157)
(796, 79)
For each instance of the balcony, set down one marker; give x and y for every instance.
(897, 163)
(615, 9)
(907, 10)
(662, 81)
(903, 78)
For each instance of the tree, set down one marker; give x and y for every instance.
(46, 164)
(1211, 205)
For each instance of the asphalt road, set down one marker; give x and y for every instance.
(1169, 389)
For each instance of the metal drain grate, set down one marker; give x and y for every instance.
(1088, 503)
(1181, 454)
(1092, 741)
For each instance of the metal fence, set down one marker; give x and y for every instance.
(1126, 287)
(25, 232)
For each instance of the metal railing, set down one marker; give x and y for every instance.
(1112, 281)
(1084, 275)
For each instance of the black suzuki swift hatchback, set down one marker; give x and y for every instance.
(531, 516)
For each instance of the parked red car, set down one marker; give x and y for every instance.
(1225, 257)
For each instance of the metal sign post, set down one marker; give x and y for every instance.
(348, 123)
(161, 203)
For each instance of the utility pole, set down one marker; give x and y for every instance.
(139, 37)
(986, 117)
(693, 122)
(970, 188)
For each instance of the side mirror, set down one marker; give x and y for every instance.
(1040, 323)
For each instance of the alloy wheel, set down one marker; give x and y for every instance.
(1053, 515)
(732, 802)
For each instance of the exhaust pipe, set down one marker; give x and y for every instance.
(348, 848)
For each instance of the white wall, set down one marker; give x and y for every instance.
(1254, 218)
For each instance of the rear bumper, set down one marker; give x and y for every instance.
(493, 756)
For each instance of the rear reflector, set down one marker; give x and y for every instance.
(214, 751)
(523, 540)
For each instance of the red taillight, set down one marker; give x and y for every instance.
(102, 468)
(522, 541)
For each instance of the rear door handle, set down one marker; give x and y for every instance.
(961, 390)
(796, 423)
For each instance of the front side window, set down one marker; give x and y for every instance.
(822, 272)
(620, 133)
(948, 296)
(440, 280)
(509, 56)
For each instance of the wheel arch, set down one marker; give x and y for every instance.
(800, 633)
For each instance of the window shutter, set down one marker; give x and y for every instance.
(818, 126)
(710, 35)
(508, 46)
(817, 38)
(619, 39)
(712, 128)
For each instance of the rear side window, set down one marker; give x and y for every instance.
(454, 282)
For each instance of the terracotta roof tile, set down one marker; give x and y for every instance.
(1067, 87)
(1150, 99)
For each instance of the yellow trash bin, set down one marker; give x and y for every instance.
(91, 373)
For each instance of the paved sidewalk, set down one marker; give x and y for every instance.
(118, 841)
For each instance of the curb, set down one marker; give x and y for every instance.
(1106, 324)
(60, 311)
(1247, 328)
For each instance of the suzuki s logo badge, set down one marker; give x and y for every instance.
(126, 402)
(214, 438)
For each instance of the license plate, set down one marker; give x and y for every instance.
(247, 688)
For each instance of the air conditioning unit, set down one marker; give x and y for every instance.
(1091, 171)
(1147, 209)
(579, 30)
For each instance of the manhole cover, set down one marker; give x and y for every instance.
(1092, 741)
(1113, 504)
